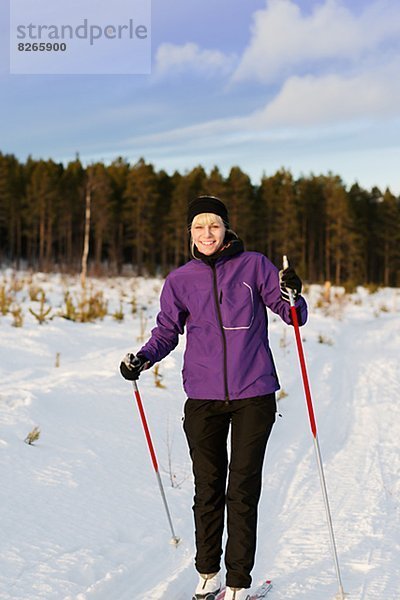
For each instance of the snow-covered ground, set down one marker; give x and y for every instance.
(80, 511)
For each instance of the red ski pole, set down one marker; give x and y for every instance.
(174, 540)
(313, 425)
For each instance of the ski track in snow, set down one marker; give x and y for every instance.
(80, 512)
(355, 399)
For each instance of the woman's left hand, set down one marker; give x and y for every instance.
(289, 280)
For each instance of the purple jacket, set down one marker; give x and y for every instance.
(227, 354)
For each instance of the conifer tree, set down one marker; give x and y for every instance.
(99, 186)
(187, 187)
(42, 196)
(216, 184)
(118, 172)
(12, 190)
(338, 230)
(388, 237)
(266, 216)
(311, 208)
(363, 206)
(165, 186)
(285, 230)
(141, 196)
(241, 204)
(71, 218)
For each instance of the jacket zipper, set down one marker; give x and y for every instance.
(218, 301)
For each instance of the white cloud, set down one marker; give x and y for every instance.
(311, 100)
(173, 59)
(339, 96)
(303, 103)
(283, 39)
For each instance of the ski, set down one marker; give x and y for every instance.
(260, 592)
(210, 595)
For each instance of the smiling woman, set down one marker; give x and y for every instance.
(230, 379)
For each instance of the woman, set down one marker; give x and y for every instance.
(230, 380)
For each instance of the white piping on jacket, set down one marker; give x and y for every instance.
(252, 315)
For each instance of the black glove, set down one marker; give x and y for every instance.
(289, 280)
(131, 366)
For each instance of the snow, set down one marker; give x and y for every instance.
(80, 510)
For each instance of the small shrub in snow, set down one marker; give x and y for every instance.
(16, 284)
(6, 299)
(325, 296)
(350, 286)
(372, 288)
(69, 311)
(143, 324)
(323, 339)
(88, 308)
(158, 377)
(43, 314)
(133, 304)
(336, 305)
(18, 316)
(281, 394)
(32, 436)
(175, 482)
(34, 292)
(93, 307)
(118, 314)
(283, 341)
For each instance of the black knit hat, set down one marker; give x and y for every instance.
(207, 204)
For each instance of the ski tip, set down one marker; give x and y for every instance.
(262, 590)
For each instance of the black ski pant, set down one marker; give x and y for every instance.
(236, 484)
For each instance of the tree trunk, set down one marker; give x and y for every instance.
(85, 253)
(42, 231)
(386, 269)
(327, 257)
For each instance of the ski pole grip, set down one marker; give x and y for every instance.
(285, 262)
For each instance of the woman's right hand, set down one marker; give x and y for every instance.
(132, 365)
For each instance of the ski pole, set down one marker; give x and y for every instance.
(174, 540)
(313, 425)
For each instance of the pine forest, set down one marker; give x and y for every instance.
(135, 216)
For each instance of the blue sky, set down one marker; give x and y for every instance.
(262, 84)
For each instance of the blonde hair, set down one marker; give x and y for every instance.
(207, 219)
(204, 219)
